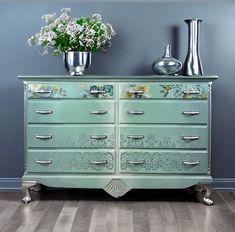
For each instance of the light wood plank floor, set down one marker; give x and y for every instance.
(96, 211)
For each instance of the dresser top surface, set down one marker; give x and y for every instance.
(88, 78)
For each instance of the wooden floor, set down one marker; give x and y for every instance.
(96, 211)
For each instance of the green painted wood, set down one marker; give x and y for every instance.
(70, 136)
(164, 90)
(70, 111)
(159, 181)
(75, 161)
(163, 136)
(157, 111)
(59, 90)
(146, 161)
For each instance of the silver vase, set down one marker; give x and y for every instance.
(167, 65)
(192, 64)
(77, 62)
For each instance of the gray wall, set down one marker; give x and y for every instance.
(142, 31)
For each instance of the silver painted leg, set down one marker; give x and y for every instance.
(26, 185)
(203, 191)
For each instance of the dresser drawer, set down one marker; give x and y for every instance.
(70, 111)
(70, 90)
(158, 111)
(163, 90)
(184, 137)
(163, 162)
(69, 136)
(71, 161)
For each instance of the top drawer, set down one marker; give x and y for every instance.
(163, 90)
(70, 90)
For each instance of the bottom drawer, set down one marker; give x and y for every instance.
(71, 161)
(163, 162)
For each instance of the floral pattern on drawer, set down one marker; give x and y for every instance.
(163, 162)
(184, 91)
(100, 91)
(45, 91)
(137, 91)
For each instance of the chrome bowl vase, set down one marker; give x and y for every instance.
(77, 62)
(167, 65)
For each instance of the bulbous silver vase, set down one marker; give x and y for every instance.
(76, 63)
(167, 65)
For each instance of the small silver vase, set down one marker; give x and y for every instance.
(77, 62)
(167, 65)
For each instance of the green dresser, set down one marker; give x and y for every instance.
(118, 133)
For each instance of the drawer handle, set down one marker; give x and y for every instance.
(99, 162)
(135, 136)
(190, 137)
(43, 136)
(135, 162)
(98, 136)
(191, 91)
(44, 162)
(191, 112)
(191, 162)
(97, 91)
(43, 91)
(99, 112)
(135, 112)
(132, 91)
(44, 111)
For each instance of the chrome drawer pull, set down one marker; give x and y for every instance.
(135, 162)
(99, 112)
(98, 136)
(191, 162)
(135, 91)
(191, 112)
(43, 111)
(190, 137)
(96, 91)
(136, 112)
(43, 91)
(191, 91)
(43, 136)
(44, 162)
(99, 162)
(135, 136)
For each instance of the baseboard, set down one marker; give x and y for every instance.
(10, 184)
(224, 184)
(219, 184)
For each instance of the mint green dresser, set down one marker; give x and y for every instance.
(118, 133)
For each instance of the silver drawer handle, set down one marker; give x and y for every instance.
(191, 91)
(43, 111)
(99, 112)
(136, 112)
(135, 136)
(132, 91)
(43, 91)
(98, 162)
(191, 112)
(98, 136)
(191, 162)
(44, 162)
(135, 162)
(96, 91)
(43, 136)
(190, 137)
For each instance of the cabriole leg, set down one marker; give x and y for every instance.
(203, 192)
(26, 187)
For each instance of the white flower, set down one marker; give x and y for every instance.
(110, 29)
(49, 18)
(97, 17)
(66, 10)
(73, 29)
(64, 17)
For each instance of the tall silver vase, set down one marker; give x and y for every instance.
(77, 62)
(192, 64)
